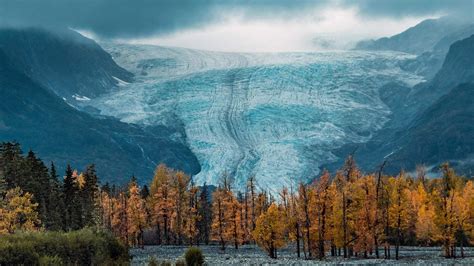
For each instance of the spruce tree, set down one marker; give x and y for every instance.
(205, 212)
(11, 163)
(89, 194)
(72, 217)
(56, 202)
(36, 181)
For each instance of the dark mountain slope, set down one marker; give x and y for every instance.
(429, 63)
(40, 120)
(445, 131)
(430, 123)
(62, 60)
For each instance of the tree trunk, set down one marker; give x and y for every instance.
(344, 224)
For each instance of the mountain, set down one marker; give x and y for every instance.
(69, 64)
(443, 132)
(428, 63)
(417, 39)
(39, 119)
(431, 122)
(429, 40)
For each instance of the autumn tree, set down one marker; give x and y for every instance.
(304, 203)
(179, 182)
(192, 216)
(321, 201)
(463, 207)
(161, 203)
(364, 201)
(136, 215)
(345, 177)
(225, 223)
(270, 230)
(399, 208)
(120, 217)
(290, 211)
(18, 212)
(425, 228)
(445, 208)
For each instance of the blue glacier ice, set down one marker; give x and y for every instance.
(277, 116)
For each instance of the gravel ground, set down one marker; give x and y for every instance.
(252, 255)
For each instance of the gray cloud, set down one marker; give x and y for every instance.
(139, 18)
(400, 8)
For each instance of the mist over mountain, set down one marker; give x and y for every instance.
(430, 40)
(34, 115)
(62, 60)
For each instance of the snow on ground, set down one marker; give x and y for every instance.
(252, 255)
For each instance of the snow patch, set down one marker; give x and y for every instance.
(78, 97)
(121, 83)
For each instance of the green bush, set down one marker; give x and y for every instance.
(83, 247)
(50, 261)
(194, 257)
(12, 254)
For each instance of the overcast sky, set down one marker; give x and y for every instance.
(233, 25)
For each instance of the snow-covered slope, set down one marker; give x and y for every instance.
(275, 116)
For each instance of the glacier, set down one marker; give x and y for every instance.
(276, 116)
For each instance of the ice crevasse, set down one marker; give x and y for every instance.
(277, 116)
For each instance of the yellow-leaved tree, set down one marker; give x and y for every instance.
(270, 230)
(136, 215)
(425, 228)
(18, 212)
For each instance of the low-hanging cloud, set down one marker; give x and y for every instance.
(141, 18)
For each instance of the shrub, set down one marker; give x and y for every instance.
(194, 257)
(152, 261)
(17, 254)
(50, 261)
(180, 263)
(83, 247)
(165, 263)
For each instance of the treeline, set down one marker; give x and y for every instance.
(35, 197)
(350, 214)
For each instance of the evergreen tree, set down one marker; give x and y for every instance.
(145, 192)
(205, 213)
(55, 202)
(72, 217)
(37, 182)
(3, 185)
(11, 163)
(89, 196)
